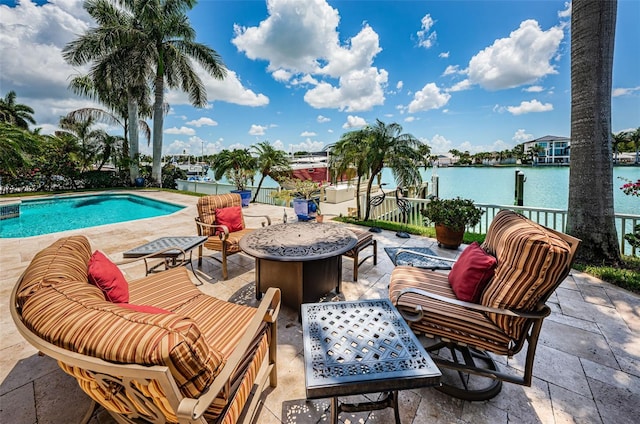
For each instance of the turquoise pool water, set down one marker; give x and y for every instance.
(53, 214)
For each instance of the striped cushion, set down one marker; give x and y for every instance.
(65, 259)
(207, 206)
(167, 290)
(232, 243)
(75, 316)
(531, 260)
(447, 321)
(364, 238)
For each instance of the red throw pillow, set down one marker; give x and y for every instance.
(471, 273)
(108, 277)
(231, 217)
(144, 308)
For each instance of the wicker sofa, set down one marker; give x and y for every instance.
(173, 355)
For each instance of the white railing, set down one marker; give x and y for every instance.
(213, 187)
(552, 218)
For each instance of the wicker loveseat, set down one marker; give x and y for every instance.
(173, 355)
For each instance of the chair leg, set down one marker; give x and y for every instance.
(356, 265)
(200, 255)
(225, 275)
(375, 252)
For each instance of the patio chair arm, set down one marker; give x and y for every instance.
(417, 316)
(192, 409)
(260, 216)
(182, 255)
(424, 255)
(224, 234)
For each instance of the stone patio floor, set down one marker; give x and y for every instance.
(587, 363)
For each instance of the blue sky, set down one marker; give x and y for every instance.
(465, 75)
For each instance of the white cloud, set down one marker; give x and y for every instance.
(308, 134)
(617, 92)
(181, 130)
(409, 119)
(399, 85)
(281, 75)
(426, 38)
(521, 136)
(430, 97)
(460, 86)
(451, 69)
(257, 129)
(522, 58)
(301, 38)
(203, 121)
(307, 146)
(322, 119)
(443, 55)
(354, 122)
(566, 13)
(530, 107)
(534, 89)
(439, 144)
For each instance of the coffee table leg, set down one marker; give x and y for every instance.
(334, 410)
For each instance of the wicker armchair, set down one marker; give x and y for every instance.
(531, 262)
(221, 239)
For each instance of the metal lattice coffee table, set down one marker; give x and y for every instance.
(358, 347)
(183, 245)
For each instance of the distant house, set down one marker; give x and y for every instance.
(552, 150)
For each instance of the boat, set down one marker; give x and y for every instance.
(313, 166)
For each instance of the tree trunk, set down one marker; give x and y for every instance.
(132, 109)
(591, 214)
(258, 189)
(158, 120)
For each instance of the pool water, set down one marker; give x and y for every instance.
(53, 214)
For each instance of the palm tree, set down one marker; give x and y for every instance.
(269, 162)
(15, 113)
(347, 154)
(85, 135)
(17, 147)
(591, 212)
(152, 38)
(238, 166)
(388, 147)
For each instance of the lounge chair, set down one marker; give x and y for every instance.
(501, 319)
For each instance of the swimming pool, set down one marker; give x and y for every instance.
(53, 214)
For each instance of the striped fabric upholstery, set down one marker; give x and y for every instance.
(207, 206)
(531, 260)
(75, 316)
(232, 243)
(65, 259)
(364, 239)
(448, 321)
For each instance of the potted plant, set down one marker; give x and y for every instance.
(239, 167)
(305, 194)
(451, 217)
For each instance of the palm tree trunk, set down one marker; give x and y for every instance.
(590, 212)
(132, 108)
(158, 120)
(258, 189)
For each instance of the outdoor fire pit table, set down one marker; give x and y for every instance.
(302, 259)
(359, 347)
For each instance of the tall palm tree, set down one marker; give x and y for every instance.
(15, 113)
(151, 38)
(591, 213)
(388, 147)
(85, 135)
(169, 40)
(17, 147)
(269, 161)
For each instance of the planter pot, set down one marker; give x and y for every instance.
(319, 218)
(139, 182)
(448, 238)
(305, 209)
(245, 195)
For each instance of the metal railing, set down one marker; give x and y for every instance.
(552, 218)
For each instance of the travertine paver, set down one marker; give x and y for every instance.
(587, 366)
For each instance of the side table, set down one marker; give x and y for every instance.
(358, 347)
(162, 248)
